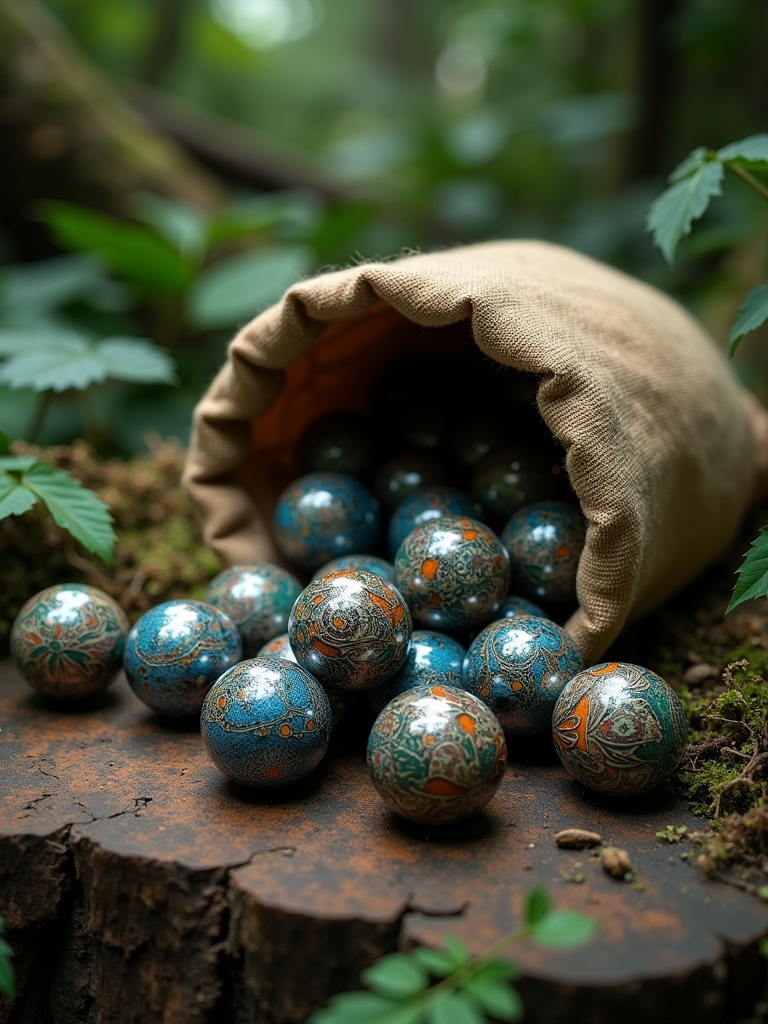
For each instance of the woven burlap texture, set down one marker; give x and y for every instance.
(662, 443)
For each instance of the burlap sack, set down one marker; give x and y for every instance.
(664, 448)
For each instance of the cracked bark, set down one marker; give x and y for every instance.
(140, 887)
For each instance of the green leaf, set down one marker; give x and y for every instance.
(753, 574)
(15, 498)
(236, 289)
(366, 1008)
(497, 998)
(671, 214)
(453, 1008)
(130, 250)
(436, 961)
(563, 928)
(48, 284)
(456, 950)
(396, 976)
(7, 977)
(499, 970)
(537, 905)
(5, 443)
(692, 163)
(136, 360)
(74, 508)
(183, 225)
(751, 153)
(753, 313)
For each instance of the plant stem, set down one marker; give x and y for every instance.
(42, 405)
(473, 966)
(750, 179)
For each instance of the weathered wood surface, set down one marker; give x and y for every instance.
(139, 886)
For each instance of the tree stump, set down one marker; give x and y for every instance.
(138, 885)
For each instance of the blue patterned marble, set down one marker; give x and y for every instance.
(453, 572)
(350, 629)
(266, 723)
(405, 473)
(277, 647)
(176, 651)
(67, 641)
(518, 667)
(258, 597)
(545, 541)
(619, 728)
(436, 754)
(321, 516)
(434, 658)
(511, 477)
(423, 506)
(513, 605)
(371, 563)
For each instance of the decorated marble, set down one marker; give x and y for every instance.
(266, 723)
(514, 476)
(425, 505)
(405, 473)
(321, 516)
(67, 641)
(513, 605)
(350, 629)
(340, 442)
(258, 597)
(453, 572)
(176, 651)
(278, 647)
(619, 728)
(518, 667)
(370, 563)
(436, 754)
(434, 659)
(545, 541)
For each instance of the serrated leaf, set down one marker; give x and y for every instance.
(131, 250)
(753, 574)
(436, 961)
(17, 463)
(453, 1008)
(183, 225)
(692, 163)
(396, 976)
(15, 498)
(136, 360)
(537, 905)
(563, 928)
(64, 362)
(48, 284)
(236, 289)
(16, 341)
(496, 998)
(751, 152)
(753, 314)
(74, 508)
(671, 214)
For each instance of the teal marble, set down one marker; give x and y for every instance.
(370, 563)
(518, 667)
(514, 476)
(545, 541)
(433, 659)
(67, 641)
(176, 651)
(453, 573)
(436, 755)
(351, 629)
(258, 597)
(278, 647)
(321, 516)
(405, 473)
(340, 442)
(266, 723)
(423, 506)
(513, 605)
(619, 728)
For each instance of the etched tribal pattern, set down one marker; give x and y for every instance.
(436, 754)
(350, 629)
(266, 722)
(545, 541)
(67, 641)
(433, 659)
(424, 506)
(518, 666)
(370, 563)
(258, 597)
(454, 573)
(619, 728)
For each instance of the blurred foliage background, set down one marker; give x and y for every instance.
(170, 166)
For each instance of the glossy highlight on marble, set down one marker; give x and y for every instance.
(405, 473)
(518, 667)
(453, 572)
(434, 659)
(545, 541)
(513, 605)
(425, 505)
(258, 597)
(350, 629)
(277, 647)
(266, 723)
(619, 728)
(321, 516)
(436, 754)
(511, 477)
(176, 651)
(67, 641)
(370, 563)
